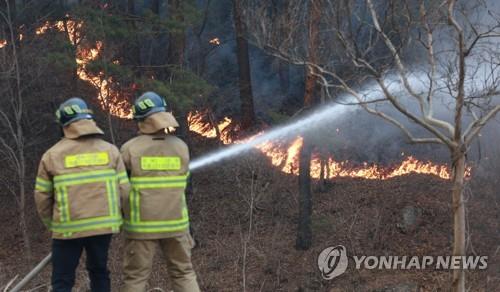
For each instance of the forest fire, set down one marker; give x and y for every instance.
(109, 98)
(197, 125)
(43, 29)
(286, 157)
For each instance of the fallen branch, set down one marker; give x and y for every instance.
(6, 288)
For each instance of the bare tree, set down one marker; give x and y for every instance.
(245, 80)
(12, 120)
(411, 56)
(304, 231)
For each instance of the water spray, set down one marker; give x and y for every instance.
(327, 114)
(324, 115)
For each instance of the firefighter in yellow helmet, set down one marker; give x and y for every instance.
(155, 212)
(77, 194)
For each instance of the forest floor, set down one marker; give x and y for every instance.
(366, 216)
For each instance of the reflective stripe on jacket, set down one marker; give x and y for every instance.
(156, 206)
(78, 187)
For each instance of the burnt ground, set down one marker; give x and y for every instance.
(363, 215)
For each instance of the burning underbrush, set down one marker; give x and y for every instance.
(111, 100)
(284, 154)
(367, 216)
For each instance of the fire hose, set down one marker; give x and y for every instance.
(36, 270)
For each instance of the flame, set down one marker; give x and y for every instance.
(214, 41)
(109, 98)
(3, 43)
(43, 29)
(286, 157)
(197, 124)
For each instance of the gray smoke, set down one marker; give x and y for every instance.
(348, 133)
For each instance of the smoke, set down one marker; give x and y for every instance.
(348, 133)
(325, 115)
(311, 125)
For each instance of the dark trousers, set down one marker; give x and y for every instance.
(66, 256)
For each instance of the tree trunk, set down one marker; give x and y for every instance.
(25, 232)
(284, 75)
(22, 193)
(110, 126)
(310, 83)
(183, 130)
(18, 135)
(13, 9)
(74, 46)
(304, 232)
(459, 219)
(176, 40)
(213, 124)
(323, 176)
(131, 6)
(245, 81)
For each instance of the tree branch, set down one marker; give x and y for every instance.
(475, 127)
(402, 73)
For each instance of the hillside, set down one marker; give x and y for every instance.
(364, 215)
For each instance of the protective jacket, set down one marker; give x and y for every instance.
(158, 167)
(79, 182)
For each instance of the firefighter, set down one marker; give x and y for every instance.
(77, 195)
(155, 212)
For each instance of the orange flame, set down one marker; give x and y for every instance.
(109, 98)
(3, 43)
(286, 158)
(43, 29)
(197, 124)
